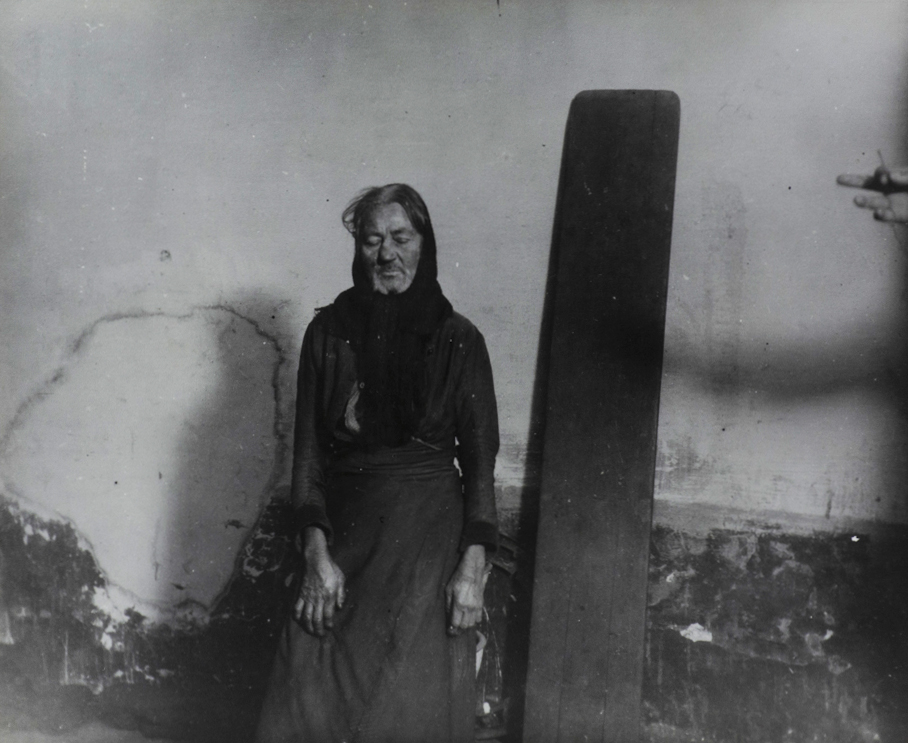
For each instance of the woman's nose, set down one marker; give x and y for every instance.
(386, 251)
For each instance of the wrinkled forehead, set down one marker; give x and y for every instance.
(386, 216)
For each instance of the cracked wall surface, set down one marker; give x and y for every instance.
(156, 440)
(163, 156)
(172, 177)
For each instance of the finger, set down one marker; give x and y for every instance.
(318, 617)
(872, 202)
(457, 616)
(856, 181)
(341, 592)
(308, 608)
(328, 614)
(899, 177)
(885, 215)
(298, 608)
(467, 620)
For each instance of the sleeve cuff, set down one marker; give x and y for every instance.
(480, 532)
(311, 515)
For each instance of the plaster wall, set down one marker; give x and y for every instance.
(182, 167)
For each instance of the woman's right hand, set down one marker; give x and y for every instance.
(322, 588)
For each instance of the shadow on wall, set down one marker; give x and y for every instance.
(866, 354)
(160, 441)
(857, 362)
(230, 456)
(171, 433)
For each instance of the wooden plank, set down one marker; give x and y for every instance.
(610, 273)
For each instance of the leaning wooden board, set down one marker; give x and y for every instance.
(609, 277)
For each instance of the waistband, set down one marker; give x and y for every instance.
(415, 459)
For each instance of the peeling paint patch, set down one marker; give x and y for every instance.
(207, 676)
(48, 591)
(156, 431)
(764, 635)
(696, 633)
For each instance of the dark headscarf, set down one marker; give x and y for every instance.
(390, 333)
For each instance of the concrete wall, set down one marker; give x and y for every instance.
(171, 179)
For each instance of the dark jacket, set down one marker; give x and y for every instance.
(460, 404)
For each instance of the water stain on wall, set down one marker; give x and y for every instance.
(157, 433)
(143, 528)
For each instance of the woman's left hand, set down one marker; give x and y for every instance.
(464, 592)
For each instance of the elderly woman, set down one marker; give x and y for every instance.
(393, 386)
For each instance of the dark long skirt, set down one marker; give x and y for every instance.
(388, 672)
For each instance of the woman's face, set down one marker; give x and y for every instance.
(389, 248)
